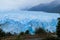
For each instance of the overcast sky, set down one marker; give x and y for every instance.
(6, 5)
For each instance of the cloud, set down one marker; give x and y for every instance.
(6, 5)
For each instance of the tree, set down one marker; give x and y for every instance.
(58, 28)
(9, 34)
(2, 33)
(19, 36)
(27, 32)
(22, 33)
(40, 31)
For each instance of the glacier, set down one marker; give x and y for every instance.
(20, 21)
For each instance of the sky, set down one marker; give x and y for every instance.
(7, 5)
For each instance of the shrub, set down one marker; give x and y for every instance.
(27, 32)
(2, 33)
(58, 28)
(40, 31)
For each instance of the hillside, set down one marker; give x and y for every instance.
(53, 7)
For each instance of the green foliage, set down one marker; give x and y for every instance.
(27, 32)
(22, 33)
(8, 34)
(58, 28)
(19, 36)
(40, 31)
(2, 33)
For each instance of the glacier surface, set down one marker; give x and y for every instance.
(20, 21)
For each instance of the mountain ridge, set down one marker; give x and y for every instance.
(52, 7)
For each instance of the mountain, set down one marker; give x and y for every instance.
(53, 7)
